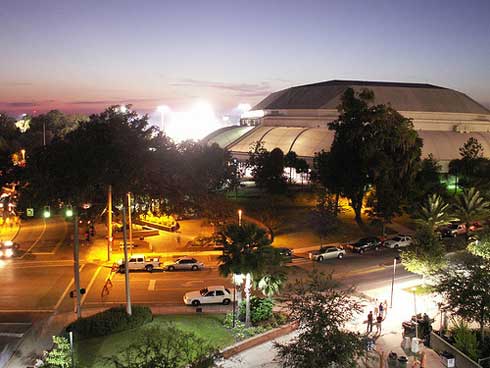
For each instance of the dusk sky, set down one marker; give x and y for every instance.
(81, 56)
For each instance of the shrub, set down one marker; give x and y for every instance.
(465, 340)
(260, 309)
(110, 321)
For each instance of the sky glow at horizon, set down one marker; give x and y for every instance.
(84, 56)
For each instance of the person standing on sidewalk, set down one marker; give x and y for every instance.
(379, 319)
(381, 310)
(370, 322)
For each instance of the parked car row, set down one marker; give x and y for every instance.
(455, 228)
(144, 263)
(361, 246)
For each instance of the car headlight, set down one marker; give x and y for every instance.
(1, 253)
(9, 253)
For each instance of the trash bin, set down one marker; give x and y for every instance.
(415, 345)
(407, 343)
(402, 362)
(448, 359)
(392, 360)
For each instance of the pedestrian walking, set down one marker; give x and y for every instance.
(379, 319)
(370, 318)
(385, 305)
(376, 309)
(381, 310)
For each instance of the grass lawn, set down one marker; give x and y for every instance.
(420, 290)
(206, 326)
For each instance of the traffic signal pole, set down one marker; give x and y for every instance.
(126, 264)
(76, 268)
(109, 223)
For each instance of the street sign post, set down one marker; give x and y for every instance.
(30, 212)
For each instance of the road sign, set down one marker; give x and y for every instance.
(30, 212)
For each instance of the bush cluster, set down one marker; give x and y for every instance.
(110, 321)
(260, 309)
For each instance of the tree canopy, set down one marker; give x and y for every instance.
(322, 311)
(374, 146)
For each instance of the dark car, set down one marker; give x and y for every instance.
(286, 253)
(365, 244)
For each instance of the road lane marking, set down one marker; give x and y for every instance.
(37, 240)
(62, 297)
(151, 285)
(90, 285)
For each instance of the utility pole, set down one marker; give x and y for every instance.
(76, 268)
(109, 223)
(130, 225)
(44, 133)
(126, 264)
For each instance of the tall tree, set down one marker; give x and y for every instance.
(465, 288)
(267, 168)
(247, 251)
(427, 182)
(472, 169)
(322, 311)
(375, 146)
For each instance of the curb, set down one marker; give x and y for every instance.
(258, 340)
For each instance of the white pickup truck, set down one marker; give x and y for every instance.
(141, 262)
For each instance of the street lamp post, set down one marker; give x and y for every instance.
(76, 268)
(130, 225)
(393, 281)
(162, 109)
(414, 289)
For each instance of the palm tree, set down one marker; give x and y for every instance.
(470, 206)
(247, 251)
(433, 212)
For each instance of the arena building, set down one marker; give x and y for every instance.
(296, 119)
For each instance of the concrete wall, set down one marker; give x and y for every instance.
(462, 360)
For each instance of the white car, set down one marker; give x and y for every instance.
(209, 295)
(184, 263)
(327, 253)
(8, 249)
(399, 241)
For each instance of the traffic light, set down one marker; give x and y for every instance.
(47, 212)
(69, 211)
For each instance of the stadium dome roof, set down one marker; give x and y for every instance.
(402, 96)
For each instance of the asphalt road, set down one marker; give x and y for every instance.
(38, 282)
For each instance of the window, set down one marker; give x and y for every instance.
(132, 260)
(219, 293)
(211, 293)
(140, 259)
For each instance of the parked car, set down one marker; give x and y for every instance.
(365, 244)
(140, 262)
(287, 253)
(398, 241)
(209, 295)
(453, 230)
(184, 263)
(327, 253)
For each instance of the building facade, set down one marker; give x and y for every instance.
(296, 119)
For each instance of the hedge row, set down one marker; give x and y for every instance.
(110, 321)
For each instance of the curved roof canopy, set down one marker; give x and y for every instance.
(443, 145)
(401, 96)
